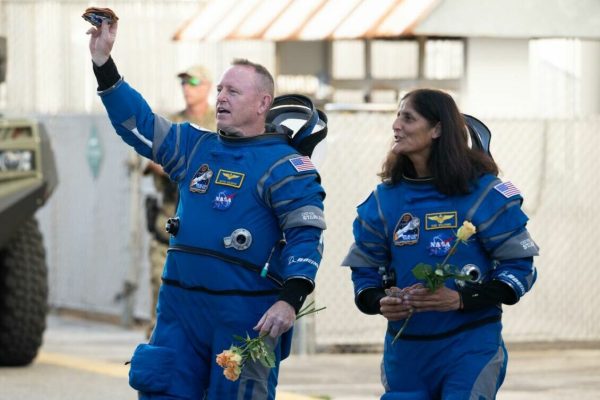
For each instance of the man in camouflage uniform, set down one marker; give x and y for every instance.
(195, 84)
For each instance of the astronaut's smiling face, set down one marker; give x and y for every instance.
(241, 102)
(413, 134)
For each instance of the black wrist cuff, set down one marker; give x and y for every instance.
(486, 295)
(294, 292)
(107, 74)
(367, 301)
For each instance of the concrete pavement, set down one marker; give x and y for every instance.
(99, 348)
(535, 372)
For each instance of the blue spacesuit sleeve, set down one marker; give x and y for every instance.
(133, 119)
(178, 148)
(520, 274)
(370, 249)
(365, 279)
(150, 134)
(296, 197)
(302, 253)
(501, 229)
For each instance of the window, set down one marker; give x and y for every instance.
(444, 59)
(348, 59)
(394, 59)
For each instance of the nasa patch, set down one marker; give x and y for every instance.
(440, 245)
(223, 200)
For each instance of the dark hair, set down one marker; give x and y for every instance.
(267, 82)
(452, 163)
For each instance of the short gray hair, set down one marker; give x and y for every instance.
(266, 79)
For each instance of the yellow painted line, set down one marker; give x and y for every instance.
(84, 364)
(116, 370)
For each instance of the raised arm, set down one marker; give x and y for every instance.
(129, 113)
(102, 40)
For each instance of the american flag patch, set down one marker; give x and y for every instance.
(302, 163)
(507, 189)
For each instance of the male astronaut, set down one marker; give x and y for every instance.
(245, 195)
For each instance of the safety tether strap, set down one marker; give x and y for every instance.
(227, 292)
(443, 335)
(226, 258)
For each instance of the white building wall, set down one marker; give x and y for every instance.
(590, 77)
(549, 78)
(497, 82)
(49, 66)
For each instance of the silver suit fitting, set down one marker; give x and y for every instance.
(240, 239)
(473, 271)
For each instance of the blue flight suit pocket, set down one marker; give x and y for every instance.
(151, 368)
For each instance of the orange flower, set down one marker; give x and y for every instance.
(231, 361)
(229, 358)
(232, 372)
(223, 358)
(252, 349)
(235, 360)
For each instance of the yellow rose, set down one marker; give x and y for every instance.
(466, 231)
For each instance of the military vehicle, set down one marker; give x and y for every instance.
(27, 178)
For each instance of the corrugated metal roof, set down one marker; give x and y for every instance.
(327, 19)
(281, 20)
(403, 18)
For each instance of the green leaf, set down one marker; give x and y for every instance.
(311, 311)
(306, 307)
(238, 338)
(269, 359)
(422, 271)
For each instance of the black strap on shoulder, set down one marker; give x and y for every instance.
(225, 257)
(447, 334)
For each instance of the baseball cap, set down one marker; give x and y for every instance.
(196, 71)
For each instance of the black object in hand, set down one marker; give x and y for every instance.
(96, 16)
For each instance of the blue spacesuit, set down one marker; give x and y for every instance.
(249, 206)
(456, 354)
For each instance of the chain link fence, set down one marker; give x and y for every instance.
(551, 161)
(554, 164)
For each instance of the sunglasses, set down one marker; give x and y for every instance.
(191, 80)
